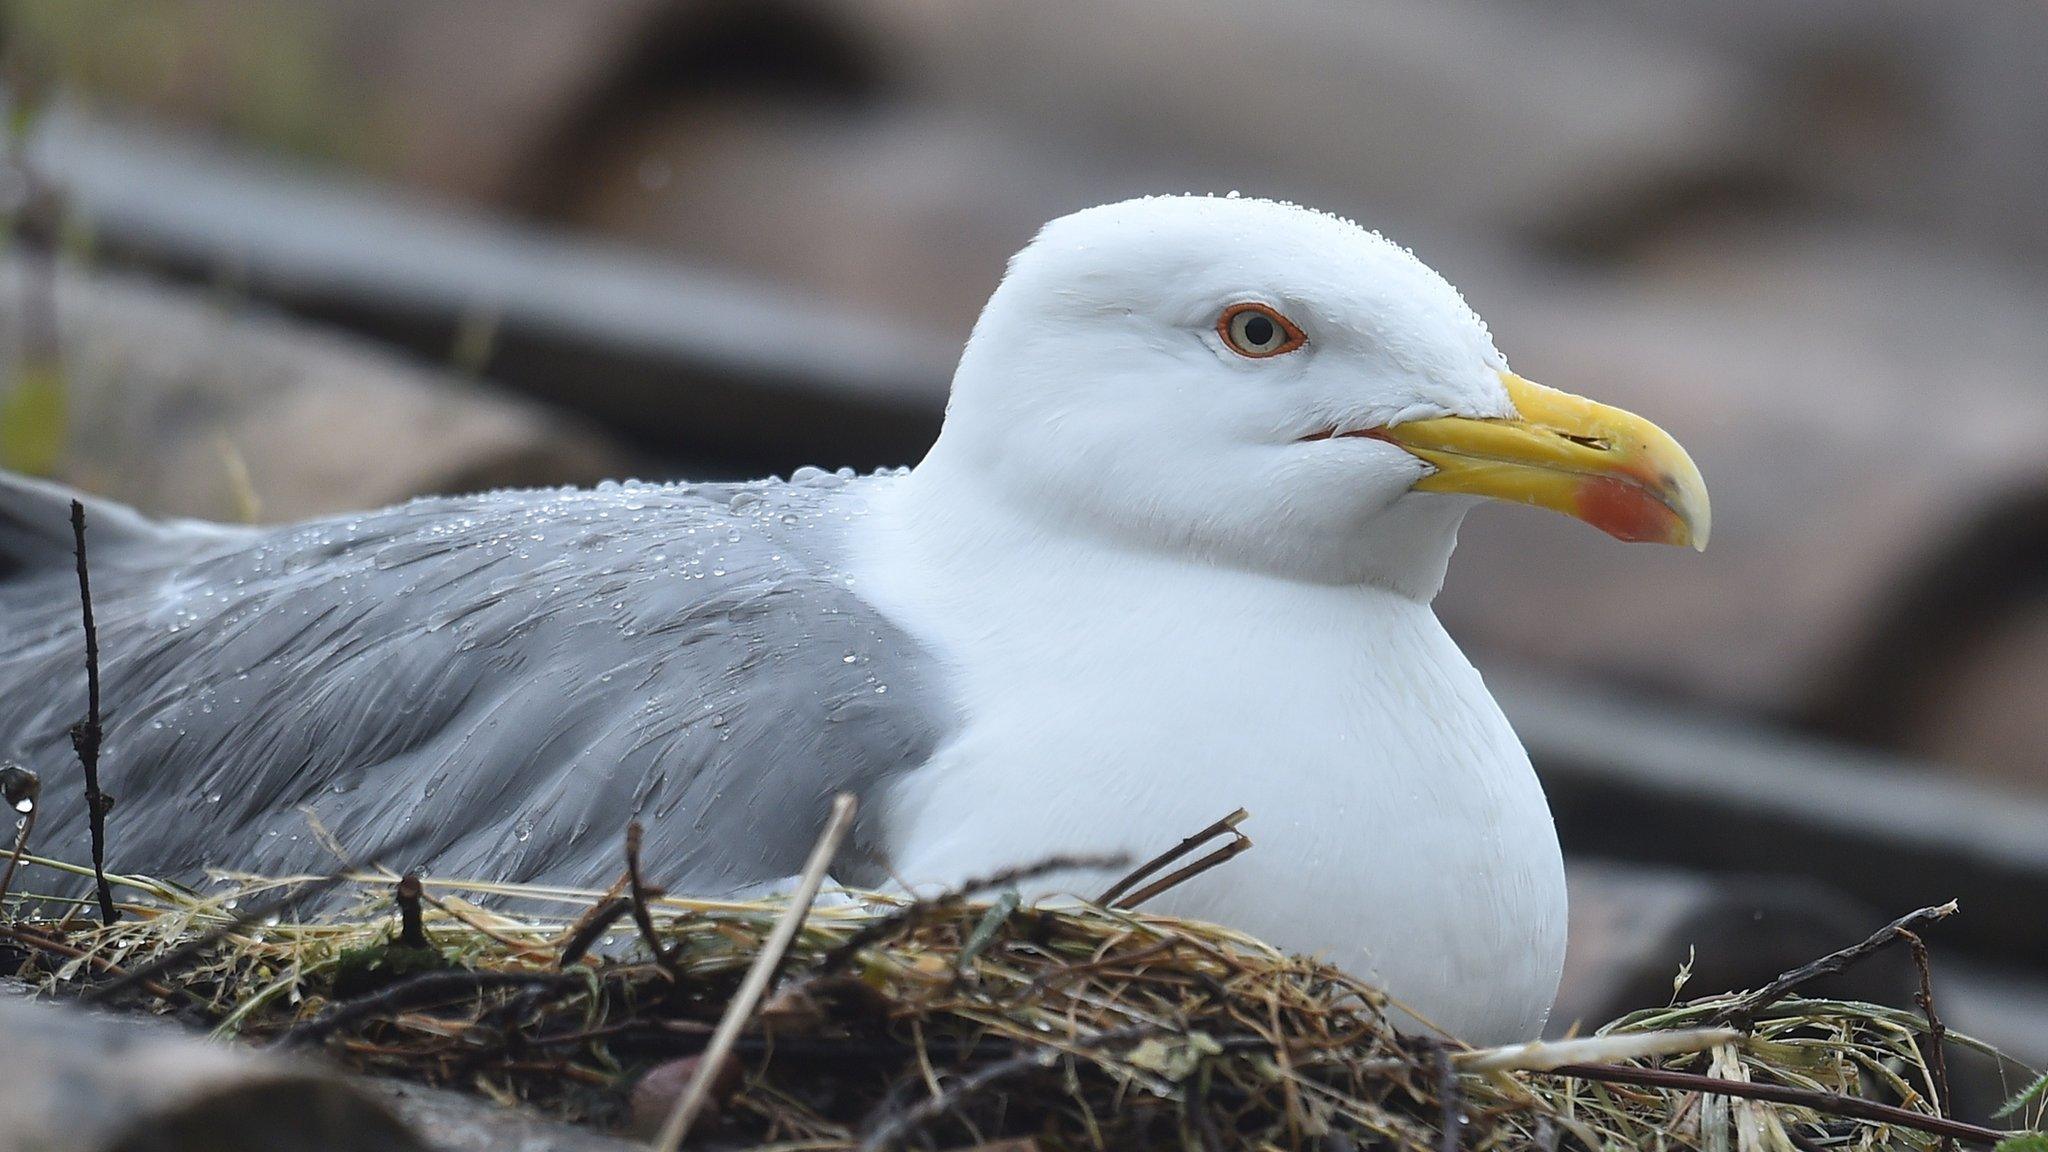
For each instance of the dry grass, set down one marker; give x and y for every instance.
(960, 1022)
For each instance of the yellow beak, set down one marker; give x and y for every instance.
(1614, 470)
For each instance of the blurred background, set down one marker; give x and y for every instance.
(274, 258)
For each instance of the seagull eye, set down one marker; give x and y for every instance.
(1257, 331)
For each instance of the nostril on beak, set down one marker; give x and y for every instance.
(1596, 443)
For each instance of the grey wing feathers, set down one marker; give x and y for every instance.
(500, 681)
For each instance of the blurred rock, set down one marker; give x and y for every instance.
(1859, 402)
(719, 372)
(457, 96)
(451, 1121)
(1988, 715)
(1926, 115)
(190, 404)
(995, 118)
(75, 1081)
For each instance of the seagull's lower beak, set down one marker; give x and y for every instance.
(1616, 471)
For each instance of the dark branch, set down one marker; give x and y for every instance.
(903, 919)
(412, 929)
(1226, 826)
(1833, 964)
(592, 926)
(896, 1129)
(1830, 1103)
(1452, 1098)
(643, 917)
(1181, 876)
(264, 910)
(29, 939)
(86, 734)
(20, 788)
(1937, 1032)
(425, 988)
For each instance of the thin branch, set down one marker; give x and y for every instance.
(593, 924)
(910, 914)
(20, 788)
(741, 1010)
(1452, 1098)
(1833, 964)
(1138, 875)
(86, 734)
(642, 918)
(284, 904)
(1829, 1103)
(901, 1126)
(897, 1129)
(414, 991)
(37, 940)
(1937, 1032)
(412, 930)
(1175, 879)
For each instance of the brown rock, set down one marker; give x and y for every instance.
(655, 1096)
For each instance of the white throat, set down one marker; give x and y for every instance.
(1117, 699)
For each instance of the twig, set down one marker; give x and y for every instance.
(28, 826)
(416, 990)
(1079, 968)
(255, 913)
(1804, 1143)
(412, 932)
(1830, 1103)
(910, 914)
(1181, 876)
(1450, 1097)
(1137, 876)
(1833, 964)
(898, 1128)
(1937, 1032)
(20, 788)
(86, 734)
(744, 1001)
(642, 918)
(600, 917)
(37, 940)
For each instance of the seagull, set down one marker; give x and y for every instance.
(1173, 552)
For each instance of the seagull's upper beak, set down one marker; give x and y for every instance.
(1614, 470)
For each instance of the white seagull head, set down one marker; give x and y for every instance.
(1275, 388)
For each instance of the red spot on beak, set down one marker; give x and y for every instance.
(1627, 511)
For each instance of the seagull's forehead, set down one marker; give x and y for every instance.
(1166, 250)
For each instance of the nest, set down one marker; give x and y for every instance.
(953, 1021)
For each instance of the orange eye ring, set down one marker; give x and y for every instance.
(1258, 332)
